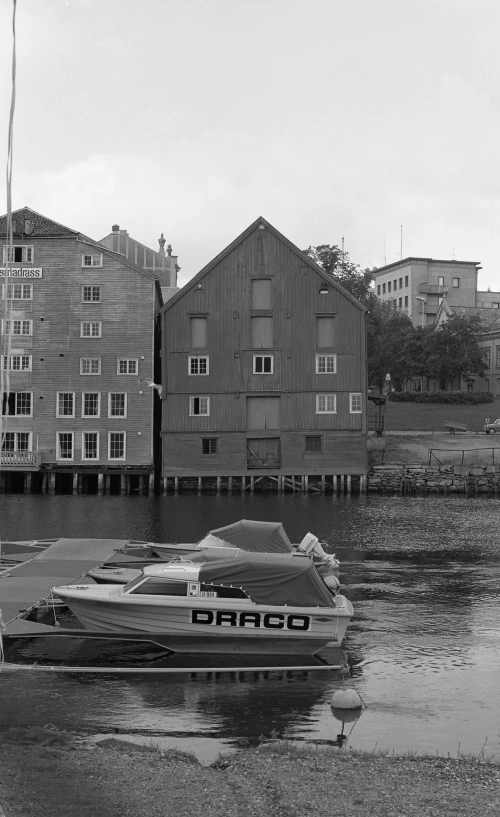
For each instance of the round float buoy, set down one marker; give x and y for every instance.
(346, 715)
(346, 699)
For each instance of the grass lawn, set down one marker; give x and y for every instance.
(431, 416)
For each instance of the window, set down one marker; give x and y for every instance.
(198, 335)
(116, 445)
(260, 295)
(18, 292)
(16, 441)
(389, 285)
(325, 332)
(18, 404)
(326, 364)
(18, 363)
(441, 281)
(406, 301)
(378, 289)
(90, 445)
(90, 365)
(199, 406)
(395, 284)
(117, 404)
(313, 444)
(487, 357)
(261, 332)
(401, 283)
(17, 254)
(90, 329)
(91, 404)
(406, 280)
(263, 364)
(495, 305)
(326, 404)
(355, 403)
(400, 303)
(127, 365)
(92, 260)
(197, 365)
(65, 445)
(455, 282)
(17, 327)
(65, 404)
(91, 294)
(383, 289)
(209, 445)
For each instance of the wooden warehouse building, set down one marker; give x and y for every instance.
(79, 333)
(264, 373)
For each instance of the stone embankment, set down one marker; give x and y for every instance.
(413, 479)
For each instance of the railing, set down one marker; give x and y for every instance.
(20, 459)
(464, 457)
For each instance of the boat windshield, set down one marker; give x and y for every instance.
(154, 586)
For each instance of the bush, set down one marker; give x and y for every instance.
(468, 397)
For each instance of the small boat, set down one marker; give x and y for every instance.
(221, 600)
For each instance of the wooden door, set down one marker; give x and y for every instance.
(263, 412)
(264, 452)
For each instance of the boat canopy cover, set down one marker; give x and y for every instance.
(268, 578)
(249, 534)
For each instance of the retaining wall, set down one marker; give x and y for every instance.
(413, 479)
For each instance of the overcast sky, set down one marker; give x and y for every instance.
(330, 118)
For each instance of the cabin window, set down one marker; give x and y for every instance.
(263, 364)
(17, 327)
(65, 404)
(260, 294)
(117, 404)
(326, 364)
(18, 404)
(91, 295)
(92, 260)
(17, 254)
(90, 365)
(65, 445)
(314, 444)
(91, 404)
(223, 592)
(161, 587)
(90, 445)
(326, 404)
(91, 329)
(198, 332)
(355, 403)
(116, 445)
(17, 363)
(198, 365)
(209, 445)
(16, 441)
(455, 282)
(18, 292)
(127, 365)
(262, 332)
(325, 331)
(199, 406)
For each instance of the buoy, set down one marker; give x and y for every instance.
(346, 715)
(346, 699)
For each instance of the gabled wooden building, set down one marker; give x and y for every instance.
(80, 343)
(264, 369)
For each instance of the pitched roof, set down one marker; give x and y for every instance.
(489, 316)
(262, 221)
(37, 224)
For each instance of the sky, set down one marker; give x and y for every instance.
(370, 121)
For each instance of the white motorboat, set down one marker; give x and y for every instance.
(220, 601)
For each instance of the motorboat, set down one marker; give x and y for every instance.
(220, 600)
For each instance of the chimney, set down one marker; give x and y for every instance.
(116, 228)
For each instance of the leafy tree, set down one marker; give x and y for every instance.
(337, 263)
(452, 350)
(389, 335)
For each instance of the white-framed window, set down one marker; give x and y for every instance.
(356, 403)
(17, 327)
(117, 404)
(198, 364)
(91, 404)
(127, 365)
(326, 364)
(326, 404)
(199, 406)
(18, 404)
(455, 282)
(16, 441)
(18, 292)
(65, 404)
(18, 363)
(18, 254)
(263, 364)
(91, 329)
(90, 445)
(116, 445)
(92, 259)
(91, 294)
(65, 445)
(90, 365)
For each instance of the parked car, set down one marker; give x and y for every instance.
(492, 427)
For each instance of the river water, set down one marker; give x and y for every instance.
(423, 574)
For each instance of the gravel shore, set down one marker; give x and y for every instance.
(118, 779)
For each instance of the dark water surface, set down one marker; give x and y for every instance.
(424, 646)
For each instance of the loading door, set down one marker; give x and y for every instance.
(263, 412)
(264, 452)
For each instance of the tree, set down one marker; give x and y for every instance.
(452, 350)
(389, 333)
(337, 263)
